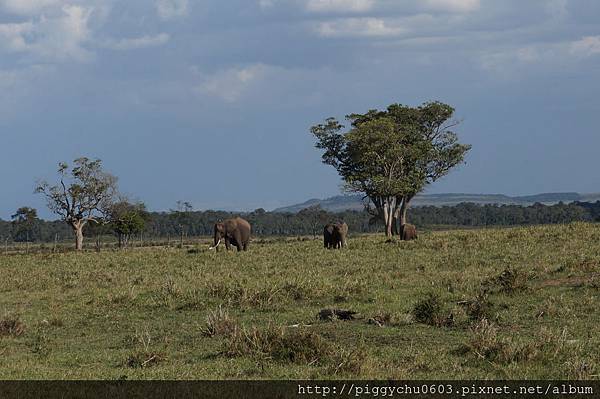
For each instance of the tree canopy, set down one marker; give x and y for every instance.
(392, 155)
(84, 193)
(126, 219)
(25, 224)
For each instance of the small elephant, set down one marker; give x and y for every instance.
(335, 235)
(235, 231)
(341, 234)
(408, 232)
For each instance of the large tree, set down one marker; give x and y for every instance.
(391, 155)
(83, 194)
(25, 224)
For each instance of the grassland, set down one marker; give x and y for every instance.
(502, 303)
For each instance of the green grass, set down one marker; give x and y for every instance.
(502, 303)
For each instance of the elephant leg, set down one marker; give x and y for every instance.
(246, 246)
(238, 240)
(227, 245)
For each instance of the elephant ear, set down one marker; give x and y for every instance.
(230, 224)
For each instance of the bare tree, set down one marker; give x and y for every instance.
(84, 194)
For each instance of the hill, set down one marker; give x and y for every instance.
(354, 202)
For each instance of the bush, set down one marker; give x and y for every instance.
(430, 310)
(296, 346)
(509, 281)
(218, 322)
(12, 326)
(478, 308)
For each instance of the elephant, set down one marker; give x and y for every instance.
(341, 234)
(408, 232)
(235, 231)
(328, 236)
(335, 235)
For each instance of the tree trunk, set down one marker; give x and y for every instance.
(395, 228)
(78, 228)
(404, 209)
(389, 208)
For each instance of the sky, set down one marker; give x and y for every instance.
(211, 101)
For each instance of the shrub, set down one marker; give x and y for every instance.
(509, 281)
(276, 343)
(430, 310)
(12, 326)
(218, 322)
(478, 308)
(484, 340)
(348, 361)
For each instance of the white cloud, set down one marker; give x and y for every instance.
(169, 9)
(587, 46)
(137, 42)
(26, 7)
(59, 37)
(339, 5)
(230, 84)
(451, 5)
(12, 36)
(356, 27)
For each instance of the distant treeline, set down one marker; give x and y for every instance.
(310, 222)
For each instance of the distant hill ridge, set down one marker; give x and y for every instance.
(354, 202)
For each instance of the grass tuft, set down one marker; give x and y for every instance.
(218, 322)
(431, 310)
(11, 326)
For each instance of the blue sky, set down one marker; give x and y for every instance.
(211, 101)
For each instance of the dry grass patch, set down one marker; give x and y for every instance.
(219, 322)
(11, 326)
(277, 343)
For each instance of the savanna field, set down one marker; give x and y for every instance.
(515, 303)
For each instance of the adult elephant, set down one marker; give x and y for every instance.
(408, 232)
(328, 240)
(335, 235)
(234, 231)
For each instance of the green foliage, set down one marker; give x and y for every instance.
(392, 155)
(83, 192)
(308, 223)
(126, 219)
(25, 225)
